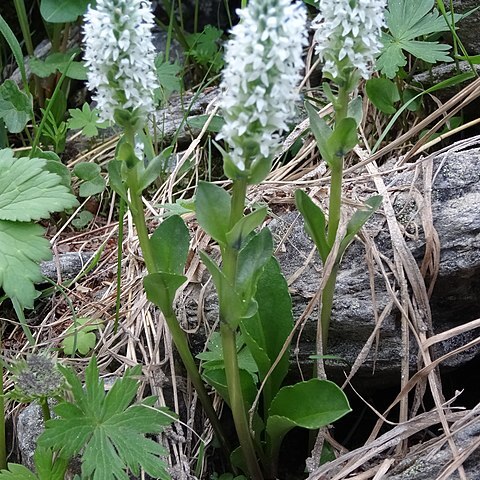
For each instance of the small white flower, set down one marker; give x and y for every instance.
(120, 55)
(263, 64)
(348, 32)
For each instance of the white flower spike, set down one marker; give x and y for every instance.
(263, 65)
(120, 55)
(348, 35)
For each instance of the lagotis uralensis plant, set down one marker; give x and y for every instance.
(347, 39)
(263, 64)
(121, 69)
(348, 34)
(120, 55)
(263, 68)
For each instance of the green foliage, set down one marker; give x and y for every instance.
(204, 48)
(58, 62)
(86, 120)
(106, 429)
(16, 107)
(80, 336)
(312, 404)
(93, 182)
(62, 11)
(169, 244)
(406, 21)
(167, 74)
(383, 93)
(82, 219)
(54, 132)
(27, 192)
(212, 206)
(266, 332)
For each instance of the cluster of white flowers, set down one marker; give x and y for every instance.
(348, 32)
(263, 64)
(120, 56)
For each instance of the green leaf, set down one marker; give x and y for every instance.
(343, 138)
(170, 244)
(79, 336)
(355, 109)
(218, 380)
(109, 432)
(86, 120)
(383, 93)
(212, 206)
(15, 107)
(358, 220)
(168, 78)
(233, 305)
(161, 288)
(17, 472)
(315, 223)
(22, 248)
(321, 131)
(266, 332)
(55, 165)
(58, 62)
(28, 192)
(93, 183)
(312, 404)
(251, 260)
(115, 179)
(154, 168)
(62, 11)
(46, 468)
(215, 125)
(82, 219)
(406, 21)
(238, 234)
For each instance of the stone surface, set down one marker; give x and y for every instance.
(431, 461)
(29, 427)
(468, 28)
(68, 264)
(455, 300)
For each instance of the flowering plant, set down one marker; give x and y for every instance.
(347, 39)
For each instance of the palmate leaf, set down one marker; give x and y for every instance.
(106, 428)
(28, 191)
(22, 248)
(407, 21)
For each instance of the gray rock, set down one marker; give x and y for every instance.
(29, 427)
(69, 265)
(426, 462)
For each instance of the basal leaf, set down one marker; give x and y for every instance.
(86, 120)
(383, 93)
(15, 106)
(22, 248)
(266, 332)
(391, 59)
(321, 131)
(154, 168)
(312, 404)
(29, 192)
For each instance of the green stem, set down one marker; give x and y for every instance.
(3, 446)
(327, 304)
(45, 409)
(237, 404)
(178, 335)
(232, 372)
